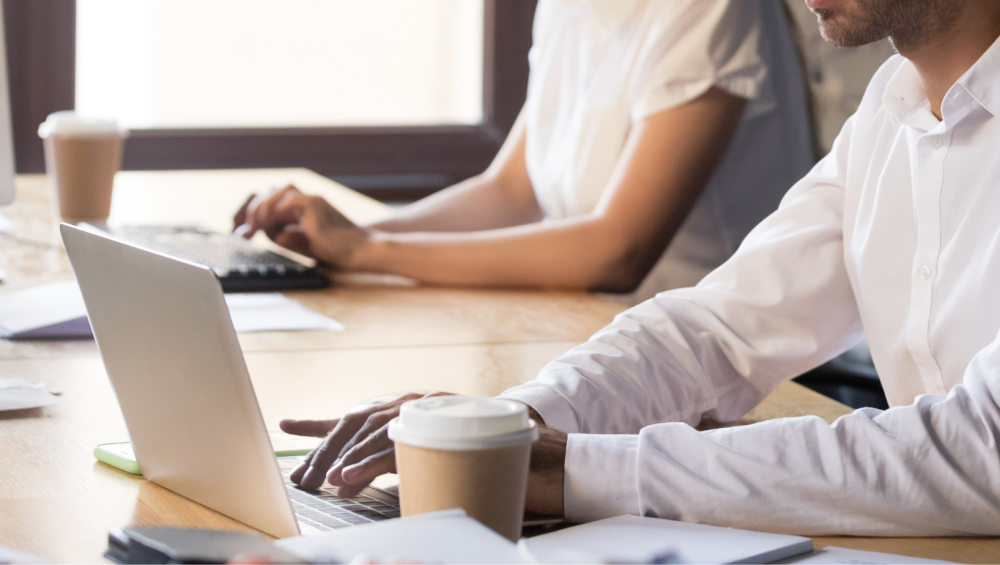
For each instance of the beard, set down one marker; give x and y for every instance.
(907, 23)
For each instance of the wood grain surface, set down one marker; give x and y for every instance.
(57, 501)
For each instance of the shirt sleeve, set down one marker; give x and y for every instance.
(692, 45)
(780, 306)
(927, 469)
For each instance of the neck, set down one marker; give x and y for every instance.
(943, 55)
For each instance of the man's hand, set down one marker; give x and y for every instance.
(306, 224)
(357, 449)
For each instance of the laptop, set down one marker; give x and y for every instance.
(170, 351)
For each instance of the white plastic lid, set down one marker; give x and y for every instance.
(69, 122)
(463, 422)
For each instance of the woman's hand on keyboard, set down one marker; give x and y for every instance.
(303, 223)
(357, 449)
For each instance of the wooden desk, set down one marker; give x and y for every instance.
(58, 502)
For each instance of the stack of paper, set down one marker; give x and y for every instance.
(635, 539)
(841, 556)
(439, 537)
(57, 311)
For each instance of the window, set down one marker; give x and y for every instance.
(451, 78)
(258, 63)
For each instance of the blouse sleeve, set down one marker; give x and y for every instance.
(691, 45)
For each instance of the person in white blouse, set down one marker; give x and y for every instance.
(647, 123)
(893, 235)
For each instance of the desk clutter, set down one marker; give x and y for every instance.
(452, 537)
(458, 339)
(56, 311)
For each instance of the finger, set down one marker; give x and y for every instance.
(331, 448)
(361, 474)
(292, 238)
(260, 213)
(324, 456)
(372, 438)
(240, 217)
(309, 428)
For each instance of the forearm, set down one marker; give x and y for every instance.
(479, 203)
(581, 252)
(928, 469)
(500, 197)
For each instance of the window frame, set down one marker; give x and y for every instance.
(41, 47)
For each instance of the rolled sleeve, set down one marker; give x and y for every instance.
(553, 407)
(600, 479)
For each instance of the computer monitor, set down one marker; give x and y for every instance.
(6, 135)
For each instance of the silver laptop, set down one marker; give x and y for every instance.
(169, 348)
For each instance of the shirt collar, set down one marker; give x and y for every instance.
(983, 79)
(904, 95)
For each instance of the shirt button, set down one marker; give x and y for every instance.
(925, 272)
(936, 142)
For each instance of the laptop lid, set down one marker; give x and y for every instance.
(171, 353)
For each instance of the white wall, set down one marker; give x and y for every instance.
(247, 63)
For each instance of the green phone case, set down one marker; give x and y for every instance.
(118, 455)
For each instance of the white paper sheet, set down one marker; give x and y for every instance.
(56, 310)
(5, 224)
(635, 539)
(18, 394)
(441, 537)
(275, 312)
(39, 307)
(8, 555)
(840, 555)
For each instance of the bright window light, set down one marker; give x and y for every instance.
(272, 63)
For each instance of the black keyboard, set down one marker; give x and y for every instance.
(240, 265)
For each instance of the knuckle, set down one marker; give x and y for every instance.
(379, 419)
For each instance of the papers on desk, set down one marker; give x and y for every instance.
(5, 224)
(8, 555)
(48, 311)
(273, 312)
(56, 311)
(439, 537)
(18, 394)
(635, 539)
(842, 556)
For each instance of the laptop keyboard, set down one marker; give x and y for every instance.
(239, 264)
(323, 510)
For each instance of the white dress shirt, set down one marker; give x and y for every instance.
(599, 66)
(894, 235)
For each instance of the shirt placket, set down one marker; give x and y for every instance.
(932, 148)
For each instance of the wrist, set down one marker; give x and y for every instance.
(368, 253)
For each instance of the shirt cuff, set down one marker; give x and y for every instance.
(550, 405)
(600, 480)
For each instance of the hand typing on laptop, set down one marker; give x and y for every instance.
(357, 449)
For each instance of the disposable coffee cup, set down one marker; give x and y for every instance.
(81, 158)
(465, 452)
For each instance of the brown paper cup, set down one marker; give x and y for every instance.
(81, 171)
(489, 484)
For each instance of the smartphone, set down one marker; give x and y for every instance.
(121, 456)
